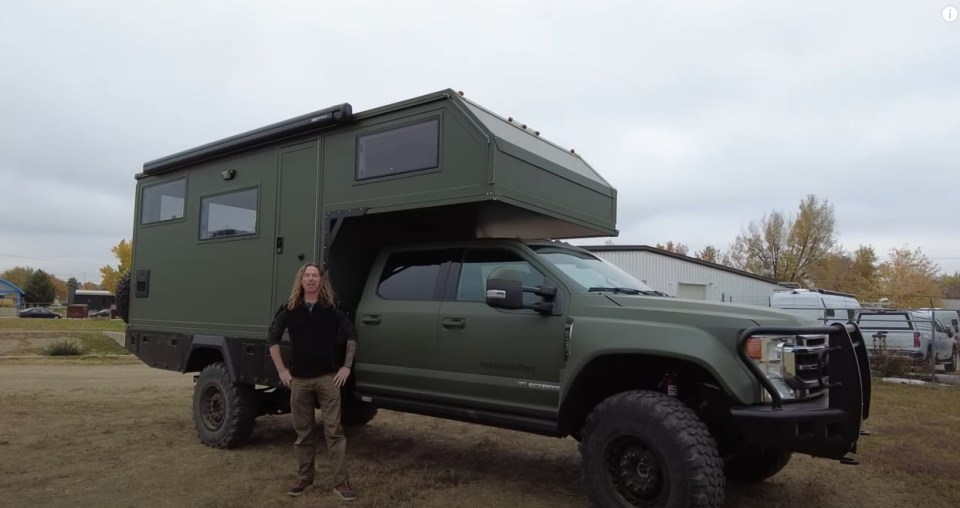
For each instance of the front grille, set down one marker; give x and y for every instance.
(810, 377)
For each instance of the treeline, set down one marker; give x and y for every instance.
(42, 288)
(803, 248)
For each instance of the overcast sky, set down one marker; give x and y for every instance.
(703, 115)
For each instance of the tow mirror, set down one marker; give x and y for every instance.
(505, 289)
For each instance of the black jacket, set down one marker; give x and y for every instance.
(317, 337)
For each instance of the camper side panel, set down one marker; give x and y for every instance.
(203, 247)
(426, 156)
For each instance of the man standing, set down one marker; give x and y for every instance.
(316, 329)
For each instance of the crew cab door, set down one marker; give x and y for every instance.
(397, 324)
(507, 360)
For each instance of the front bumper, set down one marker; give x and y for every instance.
(826, 426)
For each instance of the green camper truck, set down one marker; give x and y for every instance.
(442, 226)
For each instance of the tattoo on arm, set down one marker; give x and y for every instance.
(351, 352)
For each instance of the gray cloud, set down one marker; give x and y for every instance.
(705, 116)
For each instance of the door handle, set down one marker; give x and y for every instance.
(451, 323)
(370, 319)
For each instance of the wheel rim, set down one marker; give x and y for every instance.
(212, 408)
(636, 471)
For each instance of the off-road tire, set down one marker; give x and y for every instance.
(756, 463)
(643, 448)
(224, 412)
(123, 298)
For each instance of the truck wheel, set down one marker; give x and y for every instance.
(223, 411)
(755, 464)
(643, 448)
(123, 298)
(952, 365)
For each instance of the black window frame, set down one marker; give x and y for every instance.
(245, 235)
(448, 256)
(183, 205)
(436, 119)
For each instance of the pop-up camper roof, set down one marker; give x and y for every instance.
(438, 155)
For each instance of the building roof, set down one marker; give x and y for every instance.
(654, 250)
(9, 287)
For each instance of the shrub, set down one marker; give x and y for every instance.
(63, 348)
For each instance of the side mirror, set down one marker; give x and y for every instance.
(950, 332)
(505, 289)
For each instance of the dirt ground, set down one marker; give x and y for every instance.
(120, 434)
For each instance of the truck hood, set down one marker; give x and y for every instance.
(700, 310)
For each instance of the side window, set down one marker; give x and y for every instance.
(231, 214)
(163, 201)
(413, 275)
(477, 265)
(852, 313)
(829, 313)
(412, 147)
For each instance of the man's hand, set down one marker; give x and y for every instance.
(341, 378)
(285, 377)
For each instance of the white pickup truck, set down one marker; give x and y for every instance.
(909, 333)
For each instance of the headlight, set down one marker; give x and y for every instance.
(789, 362)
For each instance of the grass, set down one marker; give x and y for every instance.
(107, 325)
(14, 343)
(915, 438)
(63, 347)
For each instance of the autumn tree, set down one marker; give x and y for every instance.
(854, 273)
(90, 286)
(909, 279)
(783, 247)
(18, 275)
(111, 276)
(678, 248)
(59, 288)
(39, 289)
(709, 253)
(950, 285)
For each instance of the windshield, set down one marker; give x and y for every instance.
(594, 274)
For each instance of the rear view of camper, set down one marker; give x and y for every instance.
(820, 304)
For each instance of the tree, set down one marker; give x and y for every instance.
(90, 286)
(785, 248)
(950, 284)
(854, 273)
(59, 288)
(909, 279)
(39, 288)
(678, 248)
(111, 276)
(18, 276)
(709, 253)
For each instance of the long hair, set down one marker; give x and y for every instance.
(327, 295)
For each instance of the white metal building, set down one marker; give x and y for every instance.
(687, 277)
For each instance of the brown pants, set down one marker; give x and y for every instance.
(303, 392)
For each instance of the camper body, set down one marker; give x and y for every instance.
(822, 305)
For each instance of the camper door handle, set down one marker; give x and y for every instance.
(368, 319)
(279, 245)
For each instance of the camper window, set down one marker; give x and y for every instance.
(163, 201)
(411, 147)
(231, 214)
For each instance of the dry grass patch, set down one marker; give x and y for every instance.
(35, 324)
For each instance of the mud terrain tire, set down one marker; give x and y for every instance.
(224, 412)
(643, 448)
